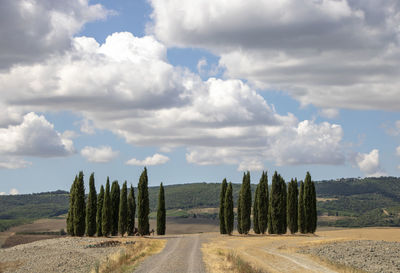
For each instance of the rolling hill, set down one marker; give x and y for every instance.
(343, 202)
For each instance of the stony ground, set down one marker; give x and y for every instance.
(55, 255)
(370, 256)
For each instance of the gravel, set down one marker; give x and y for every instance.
(68, 254)
(181, 254)
(370, 256)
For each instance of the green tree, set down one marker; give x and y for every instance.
(228, 213)
(314, 217)
(301, 216)
(79, 207)
(161, 212)
(246, 204)
(143, 204)
(263, 203)
(256, 227)
(292, 206)
(131, 211)
(283, 206)
(115, 195)
(123, 210)
(106, 213)
(275, 200)
(100, 201)
(222, 207)
(91, 208)
(308, 203)
(239, 212)
(70, 217)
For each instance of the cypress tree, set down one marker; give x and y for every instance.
(106, 213)
(222, 207)
(228, 213)
(275, 202)
(100, 201)
(70, 217)
(270, 227)
(283, 206)
(115, 195)
(79, 207)
(161, 213)
(256, 227)
(308, 204)
(246, 204)
(292, 206)
(91, 208)
(131, 212)
(239, 213)
(314, 218)
(263, 203)
(123, 210)
(301, 218)
(143, 204)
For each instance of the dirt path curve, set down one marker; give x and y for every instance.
(298, 262)
(181, 254)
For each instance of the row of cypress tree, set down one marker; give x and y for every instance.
(112, 212)
(284, 207)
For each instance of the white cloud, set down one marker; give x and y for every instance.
(34, 29)
(2, 193)
(398, 150)
(35, 136)
(369, 163)
(333, 54)
(127, 86)
(156, 159)
(87, 127)
(13, 162)
(14, 191)
(101, 154)
(330, 113)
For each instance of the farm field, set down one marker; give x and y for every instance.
(18, 235)
(294, 253)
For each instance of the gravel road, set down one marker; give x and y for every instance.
(181, 254)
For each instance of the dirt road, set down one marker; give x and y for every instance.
(181, 254)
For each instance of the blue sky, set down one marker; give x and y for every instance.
(197, 91)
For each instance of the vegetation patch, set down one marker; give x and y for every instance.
(128, 258)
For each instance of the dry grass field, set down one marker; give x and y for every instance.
(272, 253)
(12, 237)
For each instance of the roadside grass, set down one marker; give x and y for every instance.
(241, 266)
(129, 257)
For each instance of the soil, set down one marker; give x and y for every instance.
(69, 254)
(370, 256)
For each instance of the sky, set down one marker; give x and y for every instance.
(197, 90)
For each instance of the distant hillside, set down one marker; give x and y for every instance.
(360, 202)
(343, 202)
(17, 209)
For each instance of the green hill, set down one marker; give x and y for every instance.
(344, 202)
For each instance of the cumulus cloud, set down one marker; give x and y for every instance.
(369, 163)
(330, 113)
(156, 159)
(101, 154)
(34, 29)
(12, 162)
(126, 85)
(35, 136)
(333, 54)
